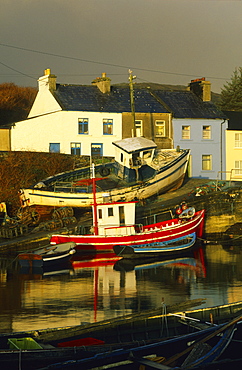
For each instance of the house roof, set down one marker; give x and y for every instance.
(182, 104)
(90, 98)
(235, 120)
(185, 104)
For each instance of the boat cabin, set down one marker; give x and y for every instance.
(132, 154)
(115, 218)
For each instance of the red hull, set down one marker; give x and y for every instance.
(159, 232)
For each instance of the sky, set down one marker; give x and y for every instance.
(161, 41)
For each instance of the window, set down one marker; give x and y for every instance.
(206, 162)
(238, 168)
(107, 127)
(238, 140)
(83, 126)
(139, 128)
(76, 148)
(54, 147)
(186, 132)
(100, 214)
(160, 128)
(206, 132)
(110, 212)
(96, 150)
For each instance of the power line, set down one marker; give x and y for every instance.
(103, 63)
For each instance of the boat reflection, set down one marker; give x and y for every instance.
(193, 263)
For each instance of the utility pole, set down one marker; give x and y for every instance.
(131, 89)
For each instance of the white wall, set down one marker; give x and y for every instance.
(200, 146)
(36, 134)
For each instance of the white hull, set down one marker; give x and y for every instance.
(165, 179)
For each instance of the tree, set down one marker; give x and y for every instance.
(231, 93)
(15, 102)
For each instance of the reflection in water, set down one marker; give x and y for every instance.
(94, 289)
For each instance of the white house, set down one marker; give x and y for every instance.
(65, 118)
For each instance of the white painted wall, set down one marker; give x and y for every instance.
(200, 146)
(36, 134)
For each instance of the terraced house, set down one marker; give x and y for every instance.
(87, 119)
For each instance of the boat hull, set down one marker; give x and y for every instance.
(155, 233)
(178, 245)
(169, 177)
(48, 256)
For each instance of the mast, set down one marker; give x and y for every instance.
(131, 89)
(95, 226)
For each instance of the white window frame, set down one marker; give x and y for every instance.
(160, 123)
(139, 127)
(238, 167)
(207, 132)
(186, 132)
(206, 162)
(238, 140)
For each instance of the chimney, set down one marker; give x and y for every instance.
(48, 80)
(103, 83)
(201, 88)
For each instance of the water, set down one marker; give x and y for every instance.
(96, 289)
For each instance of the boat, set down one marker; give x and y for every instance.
(29, 349)
(114, 225)
(47, 257)
(138, 171)
(156, 249)
(184, 352)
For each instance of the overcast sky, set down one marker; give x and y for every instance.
(163, 41)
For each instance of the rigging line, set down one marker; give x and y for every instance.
(15, 70)
(104, 63)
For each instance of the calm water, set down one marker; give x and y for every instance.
(95, 289)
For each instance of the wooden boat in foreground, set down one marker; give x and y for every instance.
(184, 352)
(141, 329)
(114, 225)
(138, 172)
(48, 256)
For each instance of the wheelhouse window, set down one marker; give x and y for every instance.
(206, 132)
(76, 148)
(160, 128)
(107, 127)
(110, 212)
(238, 140)
(54, 148)
(207, 162)
(186, 132)
(238, 168)
(83, 126)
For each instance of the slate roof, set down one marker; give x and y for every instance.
(235, 120)
(90, 98)
(182, 104)
(185, 104)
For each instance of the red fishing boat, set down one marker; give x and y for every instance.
(114, 224)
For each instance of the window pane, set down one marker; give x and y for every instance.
(186, 132)
(54, 147)
(206, 132)
(238, 167)
(160, 128)
(238, 140)
(107, 126)
(206, 162)
(83, 126)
